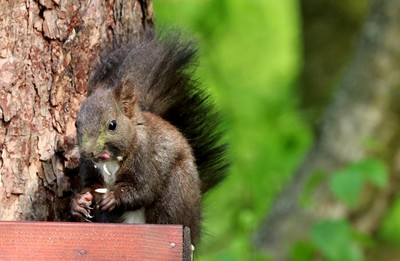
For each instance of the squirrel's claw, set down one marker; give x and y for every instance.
(80, 206)
(87, 220)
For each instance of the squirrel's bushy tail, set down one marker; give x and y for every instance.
(191, 110)
(161, 69)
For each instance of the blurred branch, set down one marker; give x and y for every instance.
(364, 108)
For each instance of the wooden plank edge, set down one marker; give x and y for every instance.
(48, 240)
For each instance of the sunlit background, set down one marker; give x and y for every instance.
(271, 67)
(250, 61)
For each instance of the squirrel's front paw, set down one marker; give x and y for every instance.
(108, 202)
(80, 206)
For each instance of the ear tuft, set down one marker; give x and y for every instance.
(125, 94)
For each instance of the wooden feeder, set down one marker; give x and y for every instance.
(93, 241)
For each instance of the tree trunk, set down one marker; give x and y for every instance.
(46, 50)
(364, 108)
(330, 30)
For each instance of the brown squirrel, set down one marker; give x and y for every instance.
(149, 139)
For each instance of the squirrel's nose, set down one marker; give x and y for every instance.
(88, 148)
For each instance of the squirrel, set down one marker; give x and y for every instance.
(149, 138)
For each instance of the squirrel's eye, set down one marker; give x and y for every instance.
(112, 125)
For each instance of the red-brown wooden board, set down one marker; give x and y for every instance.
(91, 241)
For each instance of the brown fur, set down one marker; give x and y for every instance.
(144, 88)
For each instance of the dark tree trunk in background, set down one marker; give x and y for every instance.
(330, 29)
(46, 50)
(365, 107)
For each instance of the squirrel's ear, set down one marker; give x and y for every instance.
(125, 94)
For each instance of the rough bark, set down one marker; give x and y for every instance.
(46, 49)
(364, 108)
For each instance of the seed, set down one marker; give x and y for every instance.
(101, 190)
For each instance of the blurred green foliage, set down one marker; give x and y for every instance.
(250, 61)
(389, 231)
(336, 239)
(347, 184)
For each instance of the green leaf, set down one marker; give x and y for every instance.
(375, 171)
(389, 230)
(346, 186)
(334, 239)
(302, 251)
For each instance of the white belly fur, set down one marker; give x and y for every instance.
(108, 169)
(134, 217)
